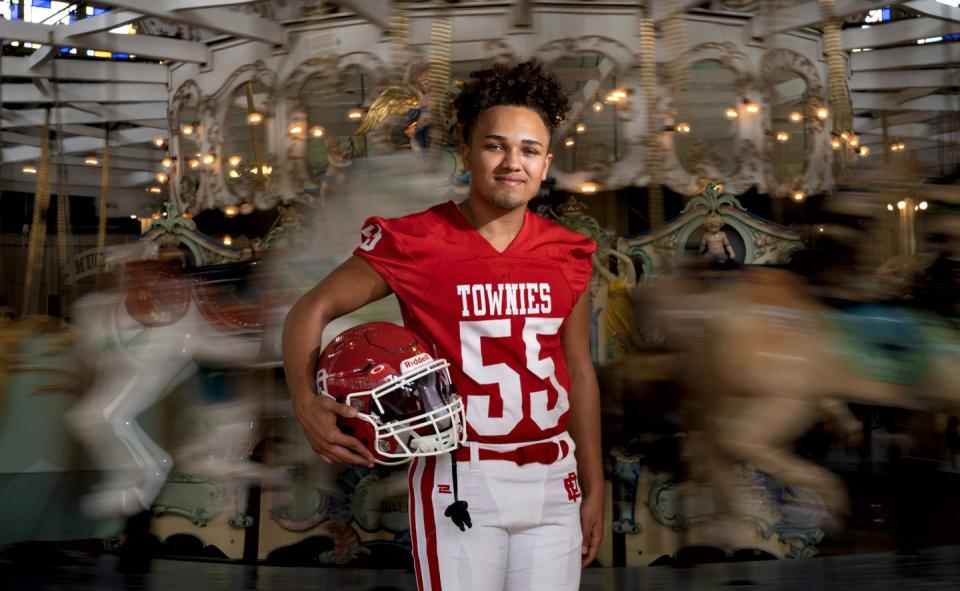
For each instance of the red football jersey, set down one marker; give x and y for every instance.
(496, 317)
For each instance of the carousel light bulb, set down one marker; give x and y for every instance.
(618, 93)
(783, 137)
(254, 118)
(233, 160)
(91, 161)
(854, 140)
(823, 113)
(597, 107)
(796, 117)
(162, 177)
(155, 189)
(799, 195)
(845, 136)
(682, 128)
(835, 143)
(158, 141)
(133, 216)
(864, 151)
(355, 114)
(187, 129)
(901, 204)
(209, 159)
(916, 208)
(255, 170)
(820, 229)
(267, 169)
(316, 131)
(752, 107)
(233, 173)
(731, 113)
(923, 205)
(569, 142)
(295, 129)
(580, 128)
(227, 241)
(193, 163)
(230, 211)
(588, 188)
(166, 162)
(889, 206)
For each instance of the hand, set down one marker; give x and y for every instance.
(591, 523)
(318, 417)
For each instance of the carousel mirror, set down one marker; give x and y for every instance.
(248, 157)
(592, 138)
(333, 115)
(791, 129)
(705, 129)
(188, 131)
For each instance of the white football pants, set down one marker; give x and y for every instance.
(526, 525)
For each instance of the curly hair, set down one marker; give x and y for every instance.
(527, 84)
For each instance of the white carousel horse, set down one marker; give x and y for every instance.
(143, 339)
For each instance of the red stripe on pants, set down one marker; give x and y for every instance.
(413, 521)
(429, 521)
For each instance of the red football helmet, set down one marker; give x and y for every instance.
(406, 403)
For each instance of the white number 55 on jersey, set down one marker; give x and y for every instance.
(478, 407)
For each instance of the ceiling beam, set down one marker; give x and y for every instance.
(895, 32)
(887, 100)
(770, 22)
(375, 11)
(12, 118)
(870, 123)
(83, 69)
(103, 22)
(661, 10)
(141, 45)
(220, 20)
(117, 92)
(880, 80)
(91, 177)
(916, 56)
(935, 9)
(74, 145)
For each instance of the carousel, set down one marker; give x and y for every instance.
(772, 187)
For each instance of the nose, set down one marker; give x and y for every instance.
(511, 159)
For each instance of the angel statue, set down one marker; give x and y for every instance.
(715, 245)
(411, 100)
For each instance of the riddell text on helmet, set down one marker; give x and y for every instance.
(504, 299)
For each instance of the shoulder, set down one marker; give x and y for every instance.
(415, 225)
(559, 236)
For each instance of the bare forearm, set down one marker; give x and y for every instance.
(584, 427)
(302, 331)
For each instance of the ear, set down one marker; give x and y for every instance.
(546, 167)
(465, 152)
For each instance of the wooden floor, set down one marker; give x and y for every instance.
(937, 568)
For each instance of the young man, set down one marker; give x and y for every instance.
(500, 292)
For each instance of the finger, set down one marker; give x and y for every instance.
(344, 410)
(345, 456)
(343, 440)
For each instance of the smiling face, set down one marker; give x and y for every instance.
(507, 156)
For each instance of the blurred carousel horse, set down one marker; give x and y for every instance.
(145, 337)
(40, 347)
(763, 359)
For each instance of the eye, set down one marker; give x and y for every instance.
(532, 152)
(494, 147)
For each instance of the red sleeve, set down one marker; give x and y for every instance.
(580, 267)
(383, 246)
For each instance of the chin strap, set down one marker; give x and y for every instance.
(457, 511)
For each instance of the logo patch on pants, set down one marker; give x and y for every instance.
(444, 489)
(571, 486)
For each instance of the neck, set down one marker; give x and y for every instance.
(498, 226)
